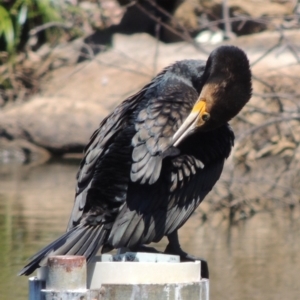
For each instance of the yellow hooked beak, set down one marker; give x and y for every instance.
(195, 119)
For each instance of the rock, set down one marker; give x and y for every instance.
(118, 73)
(57, 124)
(20, 151)
(74, 99)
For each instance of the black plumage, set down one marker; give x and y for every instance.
(155, 157)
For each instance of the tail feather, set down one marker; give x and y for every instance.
(94, 246)
(98, 244)
(75, 249)
(80, 240)
(76, 238)
(82, 250)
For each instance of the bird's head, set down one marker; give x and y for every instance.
(227, 88)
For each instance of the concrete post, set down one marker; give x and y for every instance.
(66, 278)
(134, 276)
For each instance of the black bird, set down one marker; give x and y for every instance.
(154, 158)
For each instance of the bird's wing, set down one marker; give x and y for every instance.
(98, 147)
(95, 151)
(155, 125)
(189, 182)
(188, 189)
(147, 121)
(153, 211)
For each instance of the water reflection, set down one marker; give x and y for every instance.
(255, 259)
(35, 204)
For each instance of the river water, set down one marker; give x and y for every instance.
(258, 258)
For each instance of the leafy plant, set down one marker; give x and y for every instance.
(6, 28)
(17, 18)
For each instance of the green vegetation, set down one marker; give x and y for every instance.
(17, 18)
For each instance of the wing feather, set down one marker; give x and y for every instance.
(99, 146)
(183, 184)
(155, 126)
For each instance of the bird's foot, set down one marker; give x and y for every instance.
(184, 257)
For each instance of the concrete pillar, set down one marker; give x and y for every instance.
(134, 276)
(66, 278)
(145, 276)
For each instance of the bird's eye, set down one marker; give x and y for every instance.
(205, 117)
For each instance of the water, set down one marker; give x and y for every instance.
(255, 259)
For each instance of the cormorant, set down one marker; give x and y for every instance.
(154, 158)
